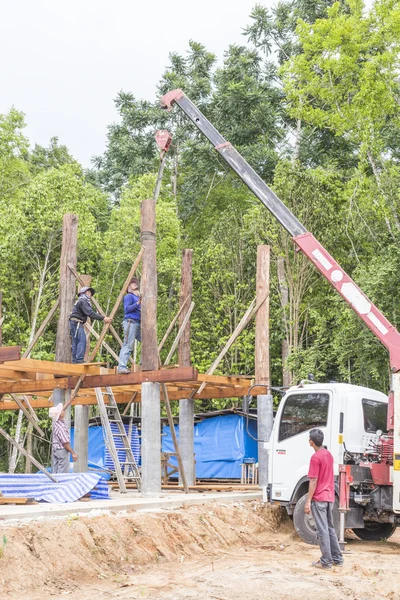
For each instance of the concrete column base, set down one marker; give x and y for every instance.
(265, 417)
(151, 439)
(81, 438)
(186, 439)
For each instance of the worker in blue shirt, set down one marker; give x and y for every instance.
(131, 324)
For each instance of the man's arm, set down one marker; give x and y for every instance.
(67, 446)
(311, 489)
(130, 303)
(92, 314)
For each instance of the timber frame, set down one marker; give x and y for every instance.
(36, 379)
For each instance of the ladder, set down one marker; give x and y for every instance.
(126, 469)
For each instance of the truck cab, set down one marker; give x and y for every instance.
(350, 417)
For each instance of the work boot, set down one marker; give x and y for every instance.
(123, 371)
(318, 565)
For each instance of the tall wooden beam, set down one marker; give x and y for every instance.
(67, 295)
(186, 406)
(151, 425)
(262, 371)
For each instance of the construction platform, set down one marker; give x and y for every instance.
(37, 379)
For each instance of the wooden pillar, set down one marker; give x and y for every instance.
(67, 286)
(67, 293)
(186, 406)
(151, 425)
(262, 374)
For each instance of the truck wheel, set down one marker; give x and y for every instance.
(375, 532)
(305, 525)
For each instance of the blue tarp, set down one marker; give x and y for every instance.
(69, 487)
(221, 444)
(98, 455)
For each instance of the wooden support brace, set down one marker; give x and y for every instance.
(22, 450)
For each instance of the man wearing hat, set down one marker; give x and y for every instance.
(61, 441)
(131, 324)
(82, 310)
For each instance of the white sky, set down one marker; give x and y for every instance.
(63, 62)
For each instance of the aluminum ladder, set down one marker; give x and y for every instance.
(125, 470)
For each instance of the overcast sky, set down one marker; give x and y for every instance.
(63, 62)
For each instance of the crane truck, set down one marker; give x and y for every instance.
(361, 426)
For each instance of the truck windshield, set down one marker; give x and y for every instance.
(375, 415)
(303, 412)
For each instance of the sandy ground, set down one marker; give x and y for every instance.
(213, 552)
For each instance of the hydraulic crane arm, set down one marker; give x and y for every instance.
(305, 241)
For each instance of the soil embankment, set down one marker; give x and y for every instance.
(212, 551)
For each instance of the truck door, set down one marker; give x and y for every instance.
(290, 453)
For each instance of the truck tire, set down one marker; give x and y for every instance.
(375, 532)
(304, 524)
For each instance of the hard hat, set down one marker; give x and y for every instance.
(55, 411)
(85, 289)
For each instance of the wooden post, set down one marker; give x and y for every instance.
(149, 286)
(67, 296)
(151, 426)
(186, 406)
(262, 376)
(67, 287)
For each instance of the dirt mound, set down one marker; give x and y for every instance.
(63, 552)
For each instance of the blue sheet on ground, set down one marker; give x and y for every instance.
(221, 444)
(69, 487)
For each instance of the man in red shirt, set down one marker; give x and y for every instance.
(321, 496)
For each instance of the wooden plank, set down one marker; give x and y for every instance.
(92, 381)
(224, 380)
(11, 500)
(157, 376)
(9, 373)
(52, 367)
(10, 353)
(181, 332)
(171, 325)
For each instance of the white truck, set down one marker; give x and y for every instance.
(361, 426)
(353, 420)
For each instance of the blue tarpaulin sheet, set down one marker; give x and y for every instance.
(221, 444)
(69, 487)
(98, 455)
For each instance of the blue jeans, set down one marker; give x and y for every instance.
(78, 337)
(327, 538)
(131, 333)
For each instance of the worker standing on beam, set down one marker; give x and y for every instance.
(61, 441)
(82, 310)
(131, 324)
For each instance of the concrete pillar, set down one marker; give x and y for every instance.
(264, 402)
(151, 439)
(81, 421)
(264, 428)
(186, 438)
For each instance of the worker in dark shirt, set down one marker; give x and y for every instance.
(82, 310)
(131, 324)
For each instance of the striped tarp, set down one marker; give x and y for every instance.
(135, 446)
(70, 486)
